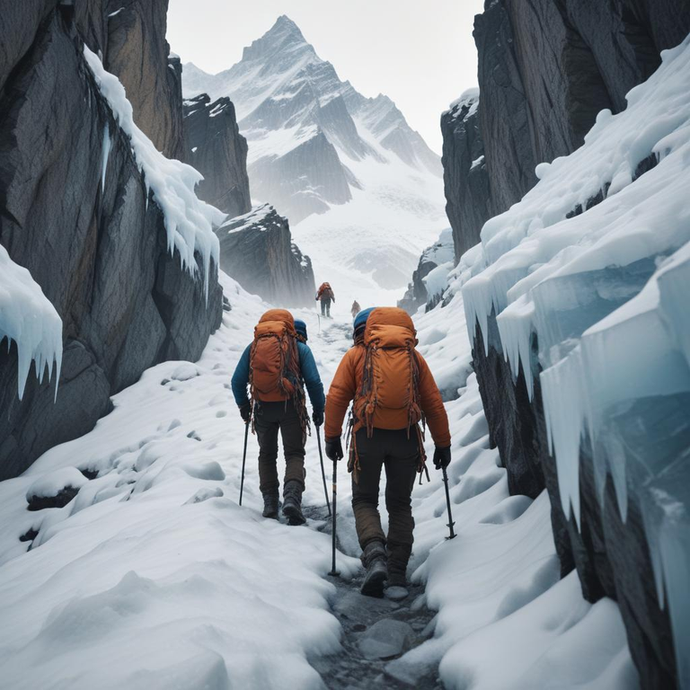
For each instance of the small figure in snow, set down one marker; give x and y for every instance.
(325, 295)
(276, 366)
(355, 309)
(392, 388)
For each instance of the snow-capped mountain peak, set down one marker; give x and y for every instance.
(316, 144)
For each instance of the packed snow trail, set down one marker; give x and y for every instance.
(153, 576)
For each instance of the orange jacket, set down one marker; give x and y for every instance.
(348, 380)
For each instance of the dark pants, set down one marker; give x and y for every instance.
(325, 307)
(271, 417)
(400, 456)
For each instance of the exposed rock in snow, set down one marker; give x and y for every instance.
(55, 489)
(258, 252)
(218, 151)
(77, 215)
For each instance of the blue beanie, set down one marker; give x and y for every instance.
(362, 317)
(301, 328)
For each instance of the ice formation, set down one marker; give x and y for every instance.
(188, 220)
(595, 261)
(29, 319)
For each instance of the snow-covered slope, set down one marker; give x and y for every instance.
(319, 150)
(153, 576)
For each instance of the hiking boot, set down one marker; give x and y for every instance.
(292, 503)
(396, 587)
(271, 505)
(374, 560)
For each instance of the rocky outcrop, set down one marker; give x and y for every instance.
(92, 236)
(438, 256)
(215, 147)
(257, 251)
(545, 70)
(465, 178)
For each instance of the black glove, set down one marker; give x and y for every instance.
(317, 417)
(246, 412)
(334, 449)
(441, 457)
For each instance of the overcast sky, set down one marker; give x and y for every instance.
(420, 53)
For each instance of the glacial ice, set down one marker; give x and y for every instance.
(595, 262)
(29, 319)
(189, 221)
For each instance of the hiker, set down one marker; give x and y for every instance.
(275, 366)
(393, 390)
(326, 295)
(355, 309)
(301, 330)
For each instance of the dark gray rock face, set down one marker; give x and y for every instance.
(215, 147)
(98, 251)
(257, 251)
(139, 54)
(465, 177)
(546, 68)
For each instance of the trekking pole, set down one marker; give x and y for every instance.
(450, 514)
(334, 572)
(323, 471)
(244, 458)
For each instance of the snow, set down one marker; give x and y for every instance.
(29, 319)
(468, 99)
(189, 221)
(53, 483)
(153, 574)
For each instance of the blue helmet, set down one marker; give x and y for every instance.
(362, 317)
(301, 328)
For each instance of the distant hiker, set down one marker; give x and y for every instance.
(393, 390)
(355, 309)
(325, 295)
(275, 366)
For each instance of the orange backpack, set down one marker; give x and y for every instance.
(390, 378)
(274, 373)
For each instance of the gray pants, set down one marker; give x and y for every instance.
(271, 418)
(325, 307)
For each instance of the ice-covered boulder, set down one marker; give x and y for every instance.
(258, 252)
(55, 489)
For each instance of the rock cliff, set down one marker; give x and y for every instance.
(76, 211)
(215, 147)
(257, 251)
(545, 70)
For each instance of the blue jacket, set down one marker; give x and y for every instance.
(307, 365)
